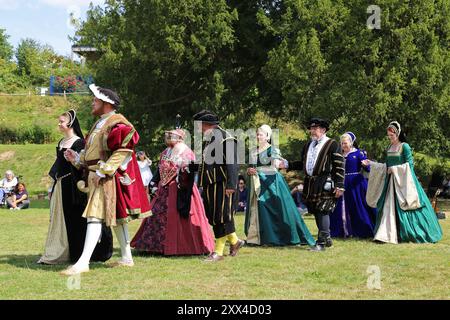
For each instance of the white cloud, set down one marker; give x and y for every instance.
(70, 3)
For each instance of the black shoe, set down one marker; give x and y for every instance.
(328, 243)
(235, 248)
(317, 248)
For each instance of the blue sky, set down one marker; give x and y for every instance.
(42, 20)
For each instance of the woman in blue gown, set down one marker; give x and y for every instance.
(352, 216)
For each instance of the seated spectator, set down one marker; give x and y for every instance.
(446, 187)
(297, 195)
(19, 200)
(435, 183)
(7, 185)
(242, 205)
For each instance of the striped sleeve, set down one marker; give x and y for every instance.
(337, 166)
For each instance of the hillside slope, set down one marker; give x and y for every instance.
(32, 162)
(33, 119)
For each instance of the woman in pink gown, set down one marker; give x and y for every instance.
(178, 225)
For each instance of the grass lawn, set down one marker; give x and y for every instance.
(408, 271)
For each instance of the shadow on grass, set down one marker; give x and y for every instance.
(336, 243)
(144, 254)
(29, 262)
(295, 247)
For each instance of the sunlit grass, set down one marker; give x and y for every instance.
(408, 271)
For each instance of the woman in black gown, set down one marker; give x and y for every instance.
(67, 229)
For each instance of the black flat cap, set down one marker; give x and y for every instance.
(318, 122)
(207, 116)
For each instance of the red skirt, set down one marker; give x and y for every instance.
(167, 233)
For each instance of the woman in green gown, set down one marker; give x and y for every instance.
(272, 218)
(404, 211)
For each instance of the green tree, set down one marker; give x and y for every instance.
(9, 80)
(6, 49)
(289, 58)
(36, 61)
(163, 56)
(328, 63)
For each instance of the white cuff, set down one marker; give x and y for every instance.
(101, 175)
(77, 159)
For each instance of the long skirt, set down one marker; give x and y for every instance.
(352, 216)
(272, 218)
(67, 229)
(167, 232)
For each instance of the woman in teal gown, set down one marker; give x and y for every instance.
(396, 224)
(272, 218)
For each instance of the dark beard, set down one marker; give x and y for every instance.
(100, 111)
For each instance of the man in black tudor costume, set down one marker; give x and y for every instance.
(218, 176)
(323, 165)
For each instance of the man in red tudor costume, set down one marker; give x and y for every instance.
(115, 190)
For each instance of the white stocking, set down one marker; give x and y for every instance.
(93, 233)
(121, 232)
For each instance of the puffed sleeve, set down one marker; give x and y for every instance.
(337, 168)
(276, 153)
(231, 158)
(121, 141)
(407, 155)
(78, 146)
(362, 155)
(276, 157)
(81, 159)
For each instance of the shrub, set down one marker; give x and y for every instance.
(35, 134)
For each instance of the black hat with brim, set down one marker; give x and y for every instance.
(318, 122)
(207, 117)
